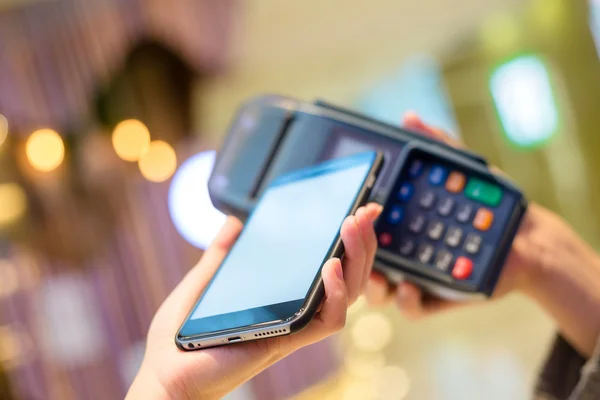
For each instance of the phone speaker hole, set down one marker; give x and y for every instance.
(269, 333)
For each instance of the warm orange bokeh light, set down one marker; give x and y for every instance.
(159, 163)
(131, 139)
(13, 203)
(3, 129)
(45, 150)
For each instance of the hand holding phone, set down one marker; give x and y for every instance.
(166, 370)
(270, 284)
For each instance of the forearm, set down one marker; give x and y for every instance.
(565, 281)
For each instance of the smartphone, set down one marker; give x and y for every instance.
(270, 282)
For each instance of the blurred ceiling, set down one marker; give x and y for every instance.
(286, 31)
(334, 49)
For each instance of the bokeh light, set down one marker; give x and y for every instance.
(194, 216)
(392, 383)
(13, 203)
(359, 391)
(525, 101)
(9, 278)
(3, 129)
(158, 163)
(45, 150)
(371, 332)
(358, 306)
(131, 139)
(15, 346)
(364, 365)
(9, 344)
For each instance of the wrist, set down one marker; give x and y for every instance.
(544, 249)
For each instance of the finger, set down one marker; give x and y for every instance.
(414, 122)
(408, 299)
(354, 257)
(183, 297)
(373, 210)
(367, 232)
(332, 317)
(378, 290)
(414, 304)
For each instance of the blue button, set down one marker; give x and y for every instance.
(415, 169)
(396, 215)
(406, 191)
(438, 175)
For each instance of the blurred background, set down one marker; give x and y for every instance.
(111, 111)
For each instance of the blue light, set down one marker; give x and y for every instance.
(192, 212)
(418, 87)
(523, 97)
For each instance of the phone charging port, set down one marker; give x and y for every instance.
(234, 339)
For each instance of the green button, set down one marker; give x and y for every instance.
(483, 192)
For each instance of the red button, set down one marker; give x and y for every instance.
(462, 268)
(385, 239)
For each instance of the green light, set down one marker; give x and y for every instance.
(524, 101)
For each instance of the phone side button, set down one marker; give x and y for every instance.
(370, 181)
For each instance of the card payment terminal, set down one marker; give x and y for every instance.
(448, 221)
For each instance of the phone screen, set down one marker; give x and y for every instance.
(273, 264)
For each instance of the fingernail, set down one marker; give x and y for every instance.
(379, 211)
(410, 114)
(338, 269)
